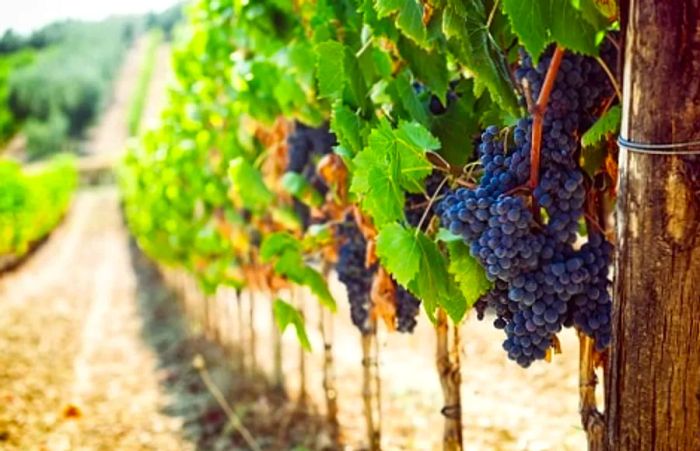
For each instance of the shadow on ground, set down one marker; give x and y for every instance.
(275, 422)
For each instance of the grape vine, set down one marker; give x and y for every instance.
(288, 115)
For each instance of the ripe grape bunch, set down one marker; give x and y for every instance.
(542, 282)
(306, 146)
(353, 273)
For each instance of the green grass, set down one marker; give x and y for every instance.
(138, 99)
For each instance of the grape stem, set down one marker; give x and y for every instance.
(430, 204)
(492, 14)
(538, 116)
(611, 77)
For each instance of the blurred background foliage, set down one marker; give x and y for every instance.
(55, 81)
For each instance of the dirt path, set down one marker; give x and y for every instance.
(109, 136)
(74, 371)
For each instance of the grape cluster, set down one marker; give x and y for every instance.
(407, 309)
(306, 145)
(541, 281)
(353, 273)
(432, 102)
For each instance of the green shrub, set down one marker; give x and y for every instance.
(46, 137)
(31, 205)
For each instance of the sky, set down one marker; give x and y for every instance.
(27, 15)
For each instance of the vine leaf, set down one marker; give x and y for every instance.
(330, 69)
(381, 195)
(296, 185)
(409, 18)
(457, 127)
(415, 261)
(469, 274)
(474, 47)
(285, 315)
(285, 216)
(285, 251)
(540, 22)
(606, 125)
(319, 287)
(347, 127)
(278, 243)
(393, 161)
(433, 283)
(430, 67)
(398, 252)
(405, 96)
(248, 185)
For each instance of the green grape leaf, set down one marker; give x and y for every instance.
(406, 96)
(594, 11)
(393, 161)
(285, 251)
(285, 314)
(415, 261)
(430, 67)
(330, 69)
(347, 126)
(374, 180)
(467, 272)
(319, 287)
(538, 23)
(474, 47)
(606, 125)
(433, 284)
(277, 243)
(457, 127)
(409, 18)
(296, 185)
(398, 250)
(290, 264)
(446, 236)
(356, 86)
(248, 186)
(286, 217)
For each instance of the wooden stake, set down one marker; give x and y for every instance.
(448, 367)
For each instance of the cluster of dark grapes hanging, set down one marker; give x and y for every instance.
(354, 274)
(306, 146)
(542, 281)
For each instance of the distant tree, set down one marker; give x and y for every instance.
(11, 42)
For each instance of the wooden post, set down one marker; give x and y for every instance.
(277, 372)
(449, 370)
(329, 388)
(240, 333)
(653, 388)
(370, 388)
(251, 336)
